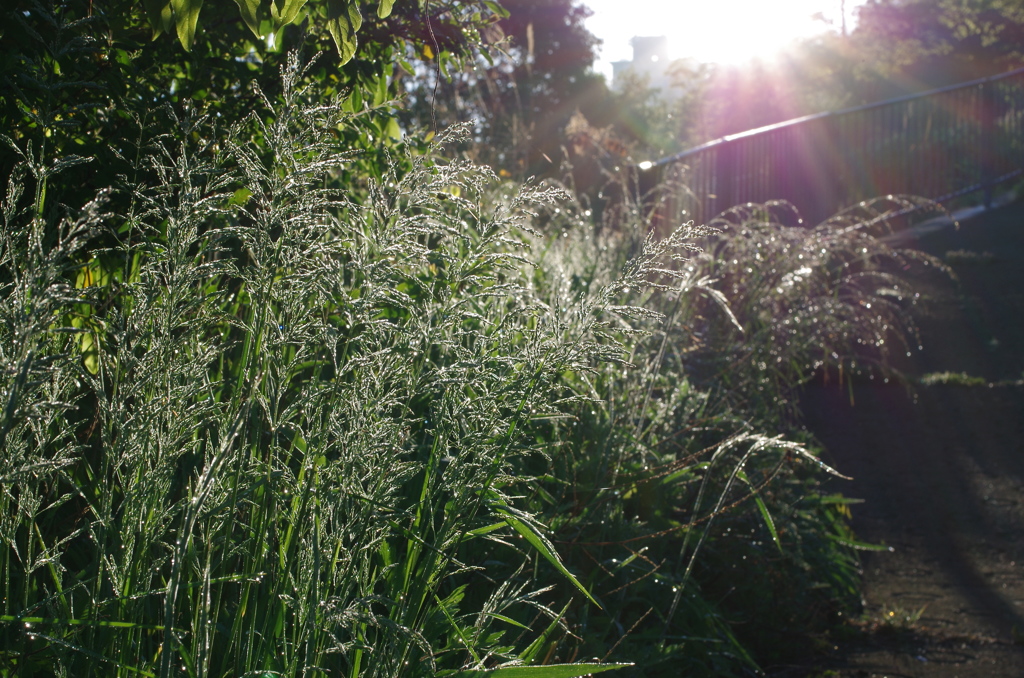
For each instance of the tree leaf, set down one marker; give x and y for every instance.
(186, 18)
(384, 8)
(248, 9)
(158, 13)
(343, 21)
(288, 12)
(496, 8)
(393, 131)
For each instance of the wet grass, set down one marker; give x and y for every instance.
(257, 422)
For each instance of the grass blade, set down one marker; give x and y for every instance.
(537, 541)
(550, 671)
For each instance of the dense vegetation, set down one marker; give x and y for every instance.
(291, 390)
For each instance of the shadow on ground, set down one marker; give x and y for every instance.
(941, 473)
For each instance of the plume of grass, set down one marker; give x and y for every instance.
(654, 472)
(295, 418)
(835, 297)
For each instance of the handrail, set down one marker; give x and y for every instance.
(947, 141)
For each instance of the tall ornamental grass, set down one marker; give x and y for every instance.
(259, 419)
(271, 430)
(678, 502)
(836, 298)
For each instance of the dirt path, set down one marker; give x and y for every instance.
(942, 476)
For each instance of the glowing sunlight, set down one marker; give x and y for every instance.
(724, 31)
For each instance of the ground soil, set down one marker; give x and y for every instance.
(941, 473)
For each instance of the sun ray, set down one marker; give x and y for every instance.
(725, 31)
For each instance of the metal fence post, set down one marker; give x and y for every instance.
(988, 139)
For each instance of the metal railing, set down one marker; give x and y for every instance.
(939, 144)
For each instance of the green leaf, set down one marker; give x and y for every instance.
(549, 671)
(487, 528)
(343, 21)
(55, 621)
(537, 541)
(530, 653)
(443, 606)
(240, 197)
(158, 13)
(393, 131)
(248, 10)
(496, 8)
(763, 508)
(186, 18)
(384, 8)
(380, 91)
(768, 521)
(286, 13)
(685, 472)
(90, 352)
(505, 619)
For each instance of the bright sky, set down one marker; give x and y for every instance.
(723, 31)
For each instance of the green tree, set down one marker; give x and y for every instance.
(902, 45)
(96, 70)
(522, 95)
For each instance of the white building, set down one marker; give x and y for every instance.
(650, 61)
